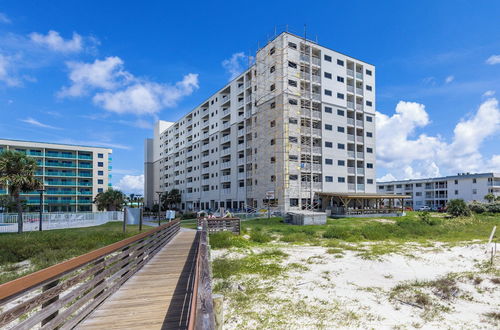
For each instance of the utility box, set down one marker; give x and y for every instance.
(305, 218)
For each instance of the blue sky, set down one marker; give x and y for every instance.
(109, 69)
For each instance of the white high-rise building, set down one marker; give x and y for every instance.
(436, 192)
(298, 122)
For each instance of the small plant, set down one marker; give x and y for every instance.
(260, 237)
(493, 315)
(457, 208)
(426, 218)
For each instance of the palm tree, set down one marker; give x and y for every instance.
(110, 200)
(17, 173)
(171, 198)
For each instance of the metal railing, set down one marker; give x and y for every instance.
(61, 296)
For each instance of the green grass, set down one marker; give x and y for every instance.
(47, 248)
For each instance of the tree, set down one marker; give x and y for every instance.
(110, 200)
(17, 173)
(457, 207)
(171, 198)
(489, 197)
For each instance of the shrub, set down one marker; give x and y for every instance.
(226, 239)
(295, 237)
(478, 207)
(426, 218)
(260, 237)
(191, 215)
(457, 207)
(493, 207)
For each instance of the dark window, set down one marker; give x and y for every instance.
(100, 155)
(341, 146)
(368, 72)
(368, 87)
(328, 109)
(100, 181)
(369, 134)
(340, 129)
(292, 120)
(369, 103)
(272, 69)
(294, 202)
(368, 118)
(369, 165)
(341, 162)
(328, 161)
(328, 178)
(292, 45)
(100, 172)
(328, 92)
(100, 190)
(292, 83)
(340, 79)
(292, 64)
(328, 75)
(369, 181)
(272, 51)
(328, 127)
(293, 177)
(328, 145)
(340, 96)
(340, 112)
(293, 139)
(100, 164)
(272, 87)
(340, 62)
(328, 58)
(369, 150)
(456, 181)
(293, 101)
(341, 179)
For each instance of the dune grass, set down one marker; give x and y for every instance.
(43, 249)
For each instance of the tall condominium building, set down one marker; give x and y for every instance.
(299, 121)
(436, 192)
(72, 175)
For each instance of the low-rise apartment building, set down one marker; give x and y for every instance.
(299, 121)
(72, 175)
(436, 192)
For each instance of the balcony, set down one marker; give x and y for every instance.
(59, 155)
(86, 157)
(241, 146)
(85, 175)
(360, 171)
(248, 99)
(359, 75)
(359, 91)
(60, 192)
(315, 167)
(350, 121)
(241, 132)
(224, 152)
(359, 106)
(225, 138)
(350, 73)
(316, 78)
(360, 186)
(359, 139)
(225, 178)
(225, 191)
(85, 184)
(226, 112)
(350, 88)
(307, 113)
(241, 161)
(351, 170)
(225, 164)
(351, 154)
(305, 58)
(307, 148)
(50, 164)
(242, 175)
(307, 131)
(226, 125)
(248, 83)
(85, 166)
(59, 183)
(351, 187)
(360, 123)
(360, 155)
(350, 105)
(60, 174)
(350, 137)
(316, 61)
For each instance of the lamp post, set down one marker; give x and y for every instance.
(159, 205)
(41, 207)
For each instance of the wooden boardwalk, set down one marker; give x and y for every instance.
(158, 296)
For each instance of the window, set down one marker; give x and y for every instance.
(100, 172)
(328, 92)
(272, 142)
(418, 185)
(456, 181)
(368, 72)
(100, 164)
(340, 96)
(292, 83)
(100, 190)
(369, 150)
(272, 87)
(418, 193)
(368, 87)
(399, 186)
(340, 112)
(341, 163)
(328, 161)
(272, 123)
(381, 187)
(328, 178)
(272, 69)
(340, 79)
(456, 192)
(340, 62)
(340, 129)
(341, 146)
(100, 181)
(474, 191)
(292, 45)
(474, 181)
(369, 103)
(328, 144)
(273, 178)
(328, 109)
(328, 75)
(341, 179)
(369, 165)
(369, 181)
(369, 118)
(293, 177)
(369, 134)
(293, 158)
(328, 58)
(328, 127)
(292, 64)
(100, 155)
(293, 121)
(273, 105)
(293, 101)
(293, 139)
(272, 51)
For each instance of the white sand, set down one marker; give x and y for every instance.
(352, 292)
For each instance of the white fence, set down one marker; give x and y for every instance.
(31, 221)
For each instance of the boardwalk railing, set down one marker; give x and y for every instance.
(221, 224)
(62, 295)
(202, 311)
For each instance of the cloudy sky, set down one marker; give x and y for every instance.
(100, 73)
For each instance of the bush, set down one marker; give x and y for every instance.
(260, 237)
(493, 207)
(478, 207)
(186, 216)
(426, 218)
(457, 207)
(226, 239)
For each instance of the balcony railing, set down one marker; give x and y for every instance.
(351, 170)
(351, 187)
(359, 138)
(316, 61)
(60, 174)
(359, 91)
(360, 123)
(350, 137)
(350, 72)
(351, 154)
(225, 178)
(359, 106)
(225, 138)
(60, 183)
(59, 155)
(85, 157)
(360, 171)
(304, 58)
(49, 164)
(359, 75)
(360, 155)
(350, 121)
(360, 186)
(350, 105)
(226, 191)
(350, 88)
(224, 152)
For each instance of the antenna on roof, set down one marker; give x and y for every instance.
(275, 29)
(286, 27)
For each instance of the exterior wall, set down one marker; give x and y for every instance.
(235, 148)
(436, 192)
(72, 175)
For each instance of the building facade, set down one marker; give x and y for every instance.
(436, 192)
(299, 121)
(72, 175)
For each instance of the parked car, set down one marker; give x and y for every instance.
(424, 208)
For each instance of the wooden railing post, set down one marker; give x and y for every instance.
(218, 300)
(50, 301)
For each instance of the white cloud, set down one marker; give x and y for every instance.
(406, 155)
(119, 91)
(5, 72)
(131, 184)
(386, 178)
(493, 59)
(236, 64)
(56, 43)
(449, 79)
(35, 122)
(4, 18)
(489, 93)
